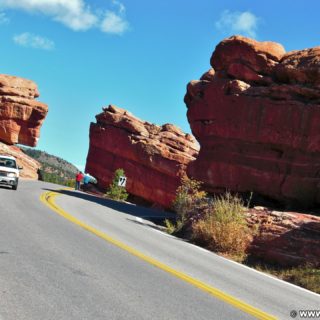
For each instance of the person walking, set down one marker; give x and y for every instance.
(79, 177)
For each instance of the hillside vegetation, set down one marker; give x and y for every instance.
(53, 169)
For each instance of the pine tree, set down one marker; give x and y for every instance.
(115, 191)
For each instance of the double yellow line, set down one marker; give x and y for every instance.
(48, 198)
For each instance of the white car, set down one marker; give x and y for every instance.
(9, 171)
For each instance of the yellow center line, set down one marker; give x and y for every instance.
(48, 198)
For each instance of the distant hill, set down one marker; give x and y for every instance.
(53, 169)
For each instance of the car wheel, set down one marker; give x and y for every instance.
(15, 187)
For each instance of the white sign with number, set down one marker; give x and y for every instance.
(122, 181)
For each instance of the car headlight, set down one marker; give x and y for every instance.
(12, 175)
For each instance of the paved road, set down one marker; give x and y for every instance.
(51, 268)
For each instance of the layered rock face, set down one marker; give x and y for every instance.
(285, 238)
(256, 115)
(30, 166)
(153, 157)
(21, 116)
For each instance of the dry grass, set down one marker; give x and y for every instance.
(308, 278)
(229, 238)
(304, 276)
(223, 227)
(217, 224)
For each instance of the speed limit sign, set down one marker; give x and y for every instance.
(122, 181)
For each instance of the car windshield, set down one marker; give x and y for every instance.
(9, 163)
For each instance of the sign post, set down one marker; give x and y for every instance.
(122, 181)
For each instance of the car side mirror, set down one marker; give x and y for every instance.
(20, 168)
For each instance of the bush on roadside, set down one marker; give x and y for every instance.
(116, 192)
(188, 203)
(223, 227)
(218, 223)
(171, 227)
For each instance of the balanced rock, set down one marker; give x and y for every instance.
(256, 115)
(21, 116)
(153, 157)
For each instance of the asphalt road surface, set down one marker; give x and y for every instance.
(52, 268)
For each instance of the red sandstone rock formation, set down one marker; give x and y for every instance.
(20, 115)
(30, 166)
(285, 238)
(153, 157)
(256, 115)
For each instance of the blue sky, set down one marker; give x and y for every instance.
(136, 54)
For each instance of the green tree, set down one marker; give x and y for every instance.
(115, 191)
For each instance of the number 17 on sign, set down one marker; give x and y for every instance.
(122, 181)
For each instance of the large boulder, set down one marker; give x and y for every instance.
(153, 157)
(256, 116)
(21, 116)
(247, 55)
(285, 238)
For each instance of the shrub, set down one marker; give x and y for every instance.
(217, 223)
(223, 227)
(188, 202)
(115, 191)
(171, 227)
